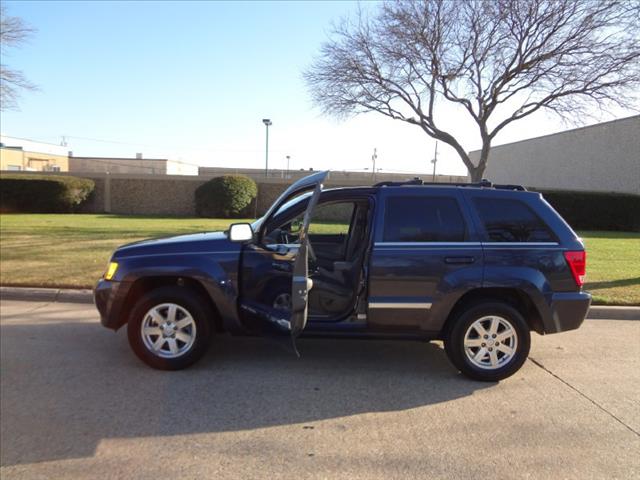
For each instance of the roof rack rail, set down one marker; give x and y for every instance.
(520, 188)
(484, 183)
(415, 181)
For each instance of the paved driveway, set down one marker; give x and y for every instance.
(76, 403)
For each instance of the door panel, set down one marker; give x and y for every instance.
(425, 250)
(265, 281)
(406, 280)
(271, 272)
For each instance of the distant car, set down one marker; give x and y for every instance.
(476, 265)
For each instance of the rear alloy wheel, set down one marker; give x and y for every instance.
(489, 341)
(169, 328)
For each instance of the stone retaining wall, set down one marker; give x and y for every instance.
(127, 194)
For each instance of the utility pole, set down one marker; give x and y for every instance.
(267, 123)
(373, 159)
(434, 161)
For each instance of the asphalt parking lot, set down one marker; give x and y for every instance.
(76, 403)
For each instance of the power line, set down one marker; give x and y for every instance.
(172, 147)
(107, 159)
(111, 141)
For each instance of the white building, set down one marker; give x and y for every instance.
(604, 157)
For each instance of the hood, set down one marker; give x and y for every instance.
(206, 242)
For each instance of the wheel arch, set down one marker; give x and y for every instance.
(146, 284)
(517, 298)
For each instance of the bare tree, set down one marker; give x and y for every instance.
(496, 61)
(13, 33)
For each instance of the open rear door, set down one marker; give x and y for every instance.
(267, 265)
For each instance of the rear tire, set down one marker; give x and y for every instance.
(170, 328)
(489, 341)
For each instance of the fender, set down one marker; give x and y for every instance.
(218, 276)
(529, 280)
(454, 286)
(449, 290)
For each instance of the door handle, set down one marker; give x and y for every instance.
(459, 260)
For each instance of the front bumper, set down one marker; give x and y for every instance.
(567, 311)
(109, 297)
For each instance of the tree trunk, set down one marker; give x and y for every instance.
(477, 173)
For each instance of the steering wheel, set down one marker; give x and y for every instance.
(284, 238)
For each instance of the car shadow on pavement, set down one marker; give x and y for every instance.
(65, 386)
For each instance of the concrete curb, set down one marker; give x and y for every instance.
(596, 312)
(600, 312)
(46, 294)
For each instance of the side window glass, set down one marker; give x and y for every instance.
(328, 219)
(423, 219)
(511, 221)
(332, 219)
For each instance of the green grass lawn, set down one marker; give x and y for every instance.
(613, 267)
(73, 250)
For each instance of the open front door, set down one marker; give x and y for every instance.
(274, 274)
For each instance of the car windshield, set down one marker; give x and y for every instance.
(285, 206)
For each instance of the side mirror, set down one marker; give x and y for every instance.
(240, 232)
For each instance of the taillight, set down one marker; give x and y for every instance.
(577, 262)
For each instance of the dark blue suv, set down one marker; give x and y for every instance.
(476, 265)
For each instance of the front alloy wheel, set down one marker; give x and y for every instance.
(489, 341)
(169, 328)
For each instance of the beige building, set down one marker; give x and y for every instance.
(136, 165)
(604, 157)
(18, 154)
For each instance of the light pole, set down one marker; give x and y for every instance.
(373, 159)
(434, 161)
(267, 123)
(288, 158)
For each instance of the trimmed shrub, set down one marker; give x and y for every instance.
(26, 193)
(225, 197)
(596, 210)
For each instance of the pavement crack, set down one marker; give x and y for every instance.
(586, 397)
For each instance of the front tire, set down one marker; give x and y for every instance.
(489, 341)
(169, 328)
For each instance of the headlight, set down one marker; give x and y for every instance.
(111, 270)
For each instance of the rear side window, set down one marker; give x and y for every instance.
(423, 219)
(511, 221)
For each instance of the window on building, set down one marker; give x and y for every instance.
(14, 168)
(423, 219)
(511, 221)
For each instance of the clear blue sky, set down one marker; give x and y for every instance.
(192, 81)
